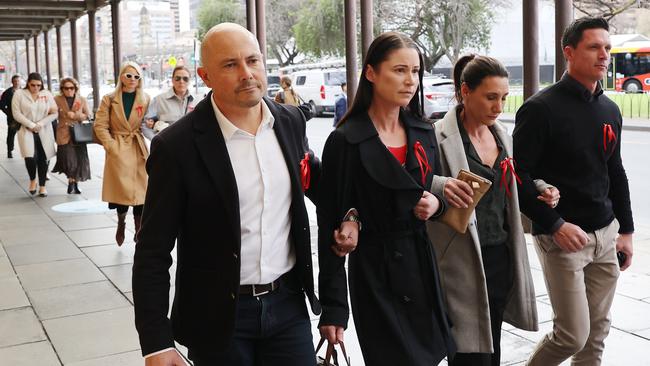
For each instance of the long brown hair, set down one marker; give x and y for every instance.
(378, 52)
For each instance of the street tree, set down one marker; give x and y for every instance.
(607, 9)
(282, 15)
(213, 12)
(319, 28)
(442, 27)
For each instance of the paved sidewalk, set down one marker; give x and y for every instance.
(65, 287)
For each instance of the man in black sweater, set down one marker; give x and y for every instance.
(569, 135)
(5, 106)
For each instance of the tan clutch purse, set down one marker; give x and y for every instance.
(458, 218)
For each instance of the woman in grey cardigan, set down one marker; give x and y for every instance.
(485, 273)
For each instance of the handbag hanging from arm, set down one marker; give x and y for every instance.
(82, 132)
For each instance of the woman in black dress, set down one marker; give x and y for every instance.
(377, 167)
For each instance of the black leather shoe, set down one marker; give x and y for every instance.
(70, 188)
(42, 194)
(10, 155)
(76, 189)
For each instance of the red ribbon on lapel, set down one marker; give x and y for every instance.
(421, 156)
(508, 164)
(305, 172)
(75, 106)
(139, 109)
(608, 135)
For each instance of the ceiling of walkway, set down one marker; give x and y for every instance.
(22, 19)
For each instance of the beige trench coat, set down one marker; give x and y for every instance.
(29, 112)
(82, 113)
(125, 177)
(459, 255)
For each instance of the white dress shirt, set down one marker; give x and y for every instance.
(264, 188)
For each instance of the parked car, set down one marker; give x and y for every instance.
(319, 88)
(273, 85)
(438, 96)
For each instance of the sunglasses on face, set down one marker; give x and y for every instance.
(34, 85)
(132, 76)
(184, 78)
(68, 88)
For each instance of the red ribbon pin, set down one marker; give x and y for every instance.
(423, 161)
(508, 164)
(305, 172)
(139, 109)
(608, 135)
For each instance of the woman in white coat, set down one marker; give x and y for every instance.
(485, 273)
(35, 109)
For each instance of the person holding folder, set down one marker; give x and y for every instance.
(489, 258)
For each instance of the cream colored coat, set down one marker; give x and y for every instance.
(459, 255)
(81, 111)
(125, 177)
(29, 112)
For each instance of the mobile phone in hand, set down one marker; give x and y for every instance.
(622, 257)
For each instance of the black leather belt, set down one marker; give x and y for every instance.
(259, 290)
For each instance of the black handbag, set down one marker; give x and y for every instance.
(331, 356)
(82, 133)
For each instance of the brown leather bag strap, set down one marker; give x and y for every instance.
(345, 354)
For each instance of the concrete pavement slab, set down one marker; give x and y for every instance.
(19, 326)
(89, 336)
(43, 252)
(16, 222)
(120, 275)
(13, 295)
(59, 273)
(634, 285)
(76, 299)
(133, 358)
(6, 269)
(47, 233)
(83, 222)
(110, 255)
(94, 237)
(630, 315)
(39, 353)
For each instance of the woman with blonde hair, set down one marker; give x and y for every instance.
(71, 158)
(117, 126)
(287, 95)
(34, 108)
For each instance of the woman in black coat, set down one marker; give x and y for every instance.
(376, 166)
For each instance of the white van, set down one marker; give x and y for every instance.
(319, 87)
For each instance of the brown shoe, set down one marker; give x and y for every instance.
(121, 225)
(137, 221)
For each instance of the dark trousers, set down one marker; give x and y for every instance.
(38, 161)
(498, 277)
(11, 135)
(270, 330)
(122, 209)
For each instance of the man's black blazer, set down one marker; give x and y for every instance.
(192, 199)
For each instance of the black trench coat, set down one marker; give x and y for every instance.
(394, 284)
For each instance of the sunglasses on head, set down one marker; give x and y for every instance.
(68, 88)
(132, 76)
(184, 78)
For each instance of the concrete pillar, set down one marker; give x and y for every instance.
(366, 27)
(117, 53)
(59, 52)
(531, 47)
(16, 57)
(46, 39)
(37, 67)
(75, 52)
(29, 69)
(251, 22)
(351, 48)
(92, 40)
(261, 26)
(563, 17)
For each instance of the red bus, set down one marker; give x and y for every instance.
(629, 69)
